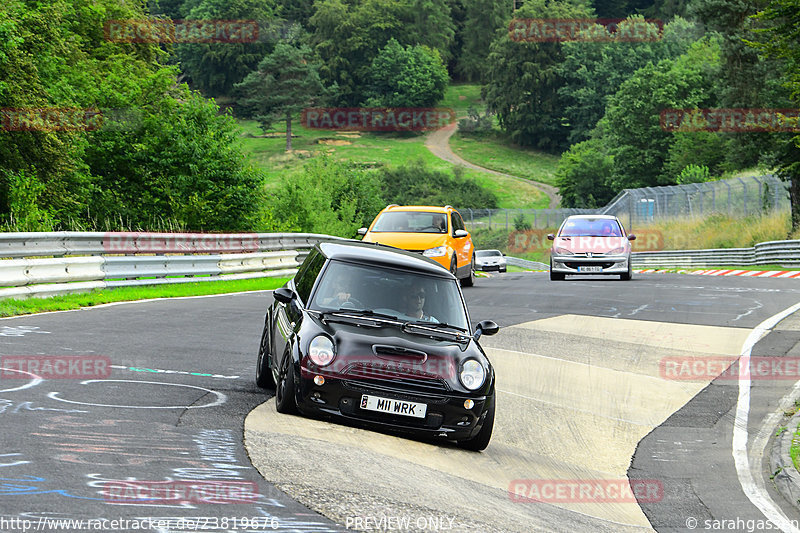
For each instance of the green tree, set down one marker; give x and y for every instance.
(327, 196)
(483, 18)
(583, 175)
(523, 80)
(780, 40)
(637, 141)
(214, 68)
(286, 82)
(415, 183)
(413, 76)
(593, 71)
(348, 34)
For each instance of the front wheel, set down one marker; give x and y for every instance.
(481, 440)
(284, 394)
(628, 275)
(555, 276)
(263, 371)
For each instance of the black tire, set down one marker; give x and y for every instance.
(264, 377)
(454, 266)
(555, 276)
(469, 281)
(480, 441)
(628, 275)
(284, 391)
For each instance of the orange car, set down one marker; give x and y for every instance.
(435, 232)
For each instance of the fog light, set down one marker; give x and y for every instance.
(319, 381)
(468, 404)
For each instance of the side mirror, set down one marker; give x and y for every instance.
(485, 327)
(460, 233)
(284, 295)
(631, 237)
(362, 231)
(551, 237)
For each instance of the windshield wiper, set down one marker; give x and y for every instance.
(361, 312)
(435, 325)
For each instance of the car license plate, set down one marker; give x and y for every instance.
(590, 269)
(394, 407)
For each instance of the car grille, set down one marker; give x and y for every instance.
(576, 264)
(390, 391)
(411, 380)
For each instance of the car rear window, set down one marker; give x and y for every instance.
(411, 222)
(590, 227)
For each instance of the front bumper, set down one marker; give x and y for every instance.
(573, 264)
(445, 416)
(489, 268)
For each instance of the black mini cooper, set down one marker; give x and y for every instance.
(382, 337)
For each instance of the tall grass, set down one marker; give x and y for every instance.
(721, 231)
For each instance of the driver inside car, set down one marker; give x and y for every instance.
(338, 293)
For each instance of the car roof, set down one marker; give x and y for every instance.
(382, 255)
(429, 208)
(606, 217)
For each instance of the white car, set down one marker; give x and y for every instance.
(490, 260)
(591, 244)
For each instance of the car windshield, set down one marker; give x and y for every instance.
(409, 296)
(411, 222)
(488, 253)
(590, 227)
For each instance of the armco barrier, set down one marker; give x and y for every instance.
(45, 264)
(781, 253)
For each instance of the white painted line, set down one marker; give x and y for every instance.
(112, 304)
(753, 484)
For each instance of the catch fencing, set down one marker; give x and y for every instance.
(46, 264)
(737, 197)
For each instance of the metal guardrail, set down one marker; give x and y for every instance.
(82, 261)
(781, 253)
(524, 263)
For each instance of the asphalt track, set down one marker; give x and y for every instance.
(583, 397)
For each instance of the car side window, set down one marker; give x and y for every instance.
(304, 281)
(456, 221)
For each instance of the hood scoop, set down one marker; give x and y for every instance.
(399, 353)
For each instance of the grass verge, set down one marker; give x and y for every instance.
(493, 151)
(14, 307)
(794, 449)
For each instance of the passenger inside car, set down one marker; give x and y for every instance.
(415, 303)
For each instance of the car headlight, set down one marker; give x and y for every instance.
(472, 374)
(321, 350)
(617, 251)
(439, 251)
(563, 251)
